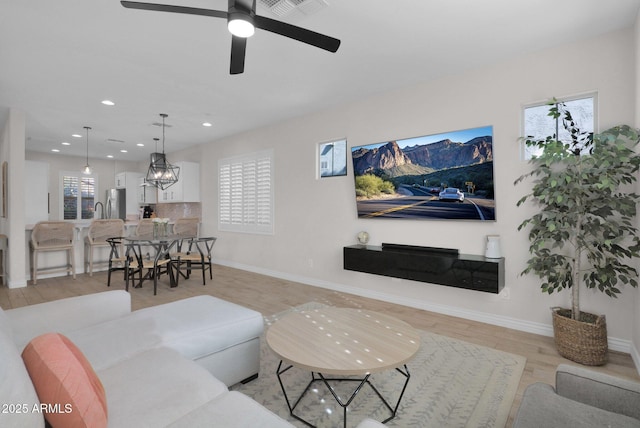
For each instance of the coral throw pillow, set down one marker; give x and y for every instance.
(70, 392)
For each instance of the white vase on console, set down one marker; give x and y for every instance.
(492, 250)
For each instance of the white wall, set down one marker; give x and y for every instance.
(635, 350)
(315, 218)
(12, 142)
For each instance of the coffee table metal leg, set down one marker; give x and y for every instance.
(353, 395)
(279, 372)
(346, 404)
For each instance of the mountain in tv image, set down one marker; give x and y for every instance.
(405, 178)
(422, 159)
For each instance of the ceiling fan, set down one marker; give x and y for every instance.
(242, 21)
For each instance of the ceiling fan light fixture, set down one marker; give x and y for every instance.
(241, 25)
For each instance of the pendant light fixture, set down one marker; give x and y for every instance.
(161, 173)
(87, 169)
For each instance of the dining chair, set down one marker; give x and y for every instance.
(52, 236)
(136, 261)
(97, 235)
(197, 256)
(118, 260)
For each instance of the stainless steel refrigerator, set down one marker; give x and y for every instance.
(116, 206)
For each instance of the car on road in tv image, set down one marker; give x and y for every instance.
(419, 177)
(451, 194)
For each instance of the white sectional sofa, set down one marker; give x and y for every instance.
(155, 365)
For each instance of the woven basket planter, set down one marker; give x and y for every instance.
(584, 342)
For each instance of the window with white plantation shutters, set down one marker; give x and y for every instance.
(79, 192)
(245, 202)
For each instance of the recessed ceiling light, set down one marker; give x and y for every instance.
(55, 150)
(207, 124)
(64, 143)
(108, 103)
(110, 156)
(123, 151)
(140, 145)
(77, 136)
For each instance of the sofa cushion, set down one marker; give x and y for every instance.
(232, 410)
(114, 341)
(66, 315)
(155, 387)
(65, 382)
(601, 390)
(541, 407)
(202, 325)
(16, 388)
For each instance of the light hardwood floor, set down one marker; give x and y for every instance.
(270, 295)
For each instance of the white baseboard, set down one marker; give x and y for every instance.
(615, 344)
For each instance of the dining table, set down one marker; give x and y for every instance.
(138, 255)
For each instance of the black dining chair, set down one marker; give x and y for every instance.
(197, 256)
(118, 260)
(155, 265)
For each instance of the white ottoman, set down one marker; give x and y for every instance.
(221, 336)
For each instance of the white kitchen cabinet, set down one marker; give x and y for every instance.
(121, 180)
(187, 189)
(36, 191)
(146, 194)
(129, 182)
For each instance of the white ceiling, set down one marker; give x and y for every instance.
(60, 59)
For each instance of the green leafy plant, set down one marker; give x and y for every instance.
(583, 232)
(369, 186)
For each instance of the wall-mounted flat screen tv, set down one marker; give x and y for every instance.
(443, 176)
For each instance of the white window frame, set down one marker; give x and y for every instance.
(246, 193)
(80, 176)
(525, 152)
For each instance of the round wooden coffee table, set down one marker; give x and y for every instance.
(342, 342)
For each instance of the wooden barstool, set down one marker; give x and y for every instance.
(52, 236)
(99, 232)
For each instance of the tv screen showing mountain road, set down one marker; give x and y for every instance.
(443, 176)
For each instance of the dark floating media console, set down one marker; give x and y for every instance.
(444, 266)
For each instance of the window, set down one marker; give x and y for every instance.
(78, 198)
(332, 158)
(245, 200)
(537, 123)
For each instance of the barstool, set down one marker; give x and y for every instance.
(145, 227)
(52, 236)
(186, 227)
(99, 232)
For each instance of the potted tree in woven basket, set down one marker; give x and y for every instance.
(583, 234)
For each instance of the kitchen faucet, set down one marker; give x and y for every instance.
(95, 209)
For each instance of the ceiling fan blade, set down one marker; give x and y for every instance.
(238, 49)
(174, 9)
(297, 33)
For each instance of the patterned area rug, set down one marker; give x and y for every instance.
(453, 384)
